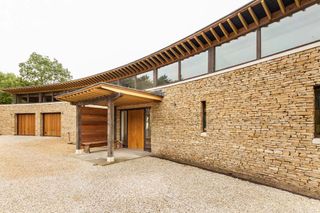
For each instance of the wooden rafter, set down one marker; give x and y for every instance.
(206, 38)
(139, 66)
(243, 21)
(266, 9)
(143, 65)
(180, 50)
(235, 30)
(126, 70)
(151, 62)
(215, 34)
(186, 48)
(192, 44)
(282, 7)
(224, 30)
(169, 54)
(160, 59)
(254, 16)
(155, 61)
(174, 52)
(134, 68)
(164, 57)
(199, 42)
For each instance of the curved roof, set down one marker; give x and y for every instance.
(248, 18)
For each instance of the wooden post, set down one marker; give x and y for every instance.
(211, 60)
(40, 97)
(110, 157)
(14, 99)
(78, 125)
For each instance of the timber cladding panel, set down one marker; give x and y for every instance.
(260, 123)
(93, 124)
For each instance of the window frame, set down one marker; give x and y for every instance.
(204, 117)
(316, 91)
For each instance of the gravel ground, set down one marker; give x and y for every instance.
(42, 176)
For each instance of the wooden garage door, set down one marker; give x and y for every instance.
(26, 124)
(94, 124)
(52, 124)
(136, 129)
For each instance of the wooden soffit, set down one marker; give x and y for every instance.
(248, 18)
(98, 94)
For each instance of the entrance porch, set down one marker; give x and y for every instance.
(98, 129)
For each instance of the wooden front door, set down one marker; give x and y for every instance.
(26, 124)
(136, 129)
(52, 124)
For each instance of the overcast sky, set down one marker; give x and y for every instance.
(92, 36)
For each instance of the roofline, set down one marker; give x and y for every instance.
(193, 44)
(111, 87)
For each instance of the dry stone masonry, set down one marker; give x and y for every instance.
(260, 123)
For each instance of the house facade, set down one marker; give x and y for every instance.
(240, 96)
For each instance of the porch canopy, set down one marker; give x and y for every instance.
(98, 94)
(104, 94)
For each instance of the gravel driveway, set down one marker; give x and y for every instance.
(43, 176)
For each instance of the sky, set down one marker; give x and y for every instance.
(93, 36)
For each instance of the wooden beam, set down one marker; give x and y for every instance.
(174, 52)
(206, 38)
(215, 34)
(180, 50)
(164, 57)
(253, 15)
(78, 127)
(151, 62)
(147, 63)
(298, 3)
(170, 56)
(199, 42)
(110, 135)
(144, 64)
(186, 48)
(235, 30)
(155, 61)
(224, 30)
(243, 21)
(160, 59)
(192, 44)
(138, 66)
(266, 9)
(282, 7)
(134, 68)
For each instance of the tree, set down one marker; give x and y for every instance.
(40, 70)
(9, 80)
(164, 79)
(144, 82)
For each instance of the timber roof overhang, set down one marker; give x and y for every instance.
(98, 94)
(250, 17)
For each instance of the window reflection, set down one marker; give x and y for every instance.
(145, 80)
(236, 52)
(301, 28)
(194, 66)
(168, 74)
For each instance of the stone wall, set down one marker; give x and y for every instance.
(68, 118)
(260, 123)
